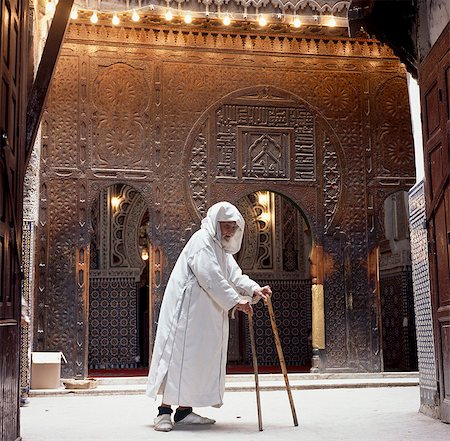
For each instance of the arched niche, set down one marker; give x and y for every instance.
(119, 280)
(275, 251)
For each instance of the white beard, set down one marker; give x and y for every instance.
(227, 245)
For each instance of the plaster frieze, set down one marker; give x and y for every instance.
(223, 40)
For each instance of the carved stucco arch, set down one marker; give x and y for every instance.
(135, 214)
(201, 172)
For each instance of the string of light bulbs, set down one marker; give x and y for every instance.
(227, 18)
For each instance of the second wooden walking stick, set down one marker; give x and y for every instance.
(255, 369)
(268, 302)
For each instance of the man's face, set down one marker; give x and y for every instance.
(227, 230)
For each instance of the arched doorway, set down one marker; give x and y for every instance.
(276, 248)
(396, 287)
(119, 282)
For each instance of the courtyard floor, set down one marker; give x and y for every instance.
(360, 414)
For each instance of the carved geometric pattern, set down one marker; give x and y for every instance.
(118, 226)
(325, 6)
(198, 172)
(258, 243)
(114, 242)
(358, 292)
(113, 339)
(332, 181)
(393, 134)
(119, 88)
(28, 238)
(63, 238)
(260, 251)
(335, 316)
(249, 249)
(120, 98)
(64, 100)
(265, 153)
(236, 41)
(226, 141)
(292, 307)
(292, 249)
(339, 98)
(399, 351)
(253, 136)
(422, 297)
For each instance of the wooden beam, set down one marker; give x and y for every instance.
(39, 90)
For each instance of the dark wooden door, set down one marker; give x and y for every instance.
(434, 78)
(12, 164)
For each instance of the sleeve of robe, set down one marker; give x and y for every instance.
(239, 280)
(210, 277)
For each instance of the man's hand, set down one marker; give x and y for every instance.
(263, 292)
(245, 307)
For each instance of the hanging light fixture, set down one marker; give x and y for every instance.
(115, 20)
(331, 22)
(135, 16)
(264, 216)
(74, 13)
(49, 7)
(168, 15)
(144, 253)
(115, 202)
(263, 198)
(94, 17)
(262, 20)
(296, 22)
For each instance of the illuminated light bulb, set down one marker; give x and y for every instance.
(226, 20)
(49, 7)
(263, 199)
(332, 22)
(169, 15)
(115, 202)
(188, 18)
(296, 22)
(264, 216)
(135, 16)
(74, 14)
(115, 20)
(144, 254)
(262, 20)
(94, 17)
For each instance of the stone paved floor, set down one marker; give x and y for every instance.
(372, 414)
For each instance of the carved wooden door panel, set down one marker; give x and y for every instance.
(435, 96)
(11, 174)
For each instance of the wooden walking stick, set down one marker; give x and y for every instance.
(281, 357)
(255, 369)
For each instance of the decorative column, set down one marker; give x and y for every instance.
(318, 307)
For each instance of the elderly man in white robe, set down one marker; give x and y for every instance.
(190, 351)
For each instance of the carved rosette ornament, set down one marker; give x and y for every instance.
(393, 134)
(120, 97)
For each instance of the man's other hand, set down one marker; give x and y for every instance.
(263, 292)
(245, 307)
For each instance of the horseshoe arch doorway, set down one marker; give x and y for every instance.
(275, 251)
(119, 294)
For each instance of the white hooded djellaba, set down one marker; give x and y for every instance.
(190, 350)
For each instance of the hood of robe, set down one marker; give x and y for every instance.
(224, 212)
